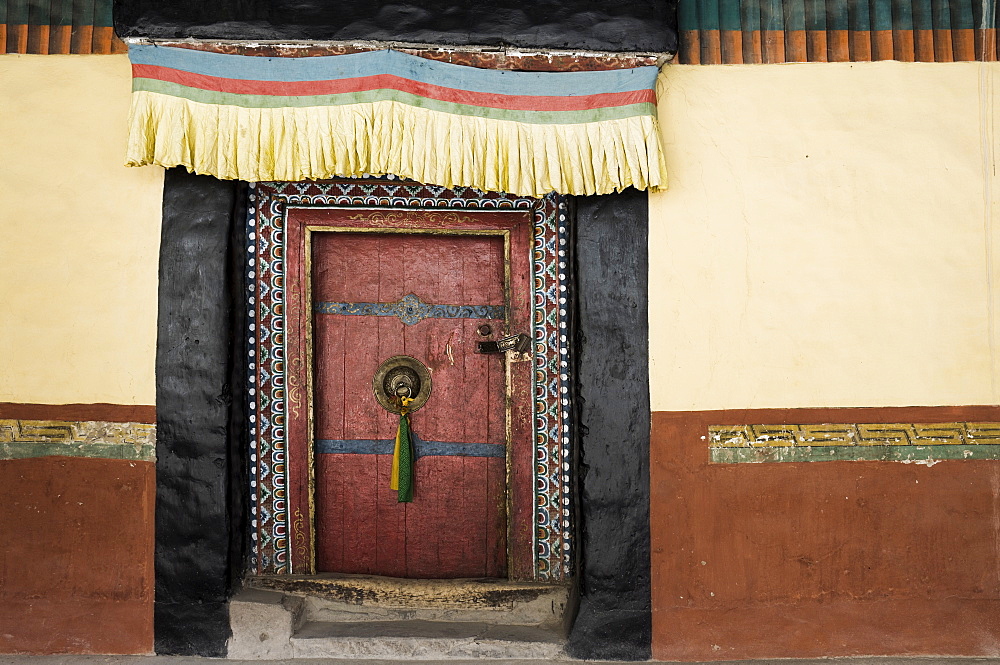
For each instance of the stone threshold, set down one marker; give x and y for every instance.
(398, 592)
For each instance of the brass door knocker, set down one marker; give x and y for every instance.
(399, 377)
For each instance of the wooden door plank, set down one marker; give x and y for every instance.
(17, 38)
(330, 506)
(496, 531)
(329, 340)
(421, 532)
(474, 499)
(82, 38)
(923, 45)
(963, 45)
(358, 530)
(476, 368)
(59, 39)
(795, 46)
(390, 556)
(456, 526)
(38, 39)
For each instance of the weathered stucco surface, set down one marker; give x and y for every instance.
(828, 238)
(80, 235)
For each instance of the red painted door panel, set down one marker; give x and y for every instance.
(456, 525)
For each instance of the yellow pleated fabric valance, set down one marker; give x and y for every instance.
(527, 133)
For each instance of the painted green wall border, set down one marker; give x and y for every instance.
(827, 442)
(120, 451)
(913, 454)
(26, 438)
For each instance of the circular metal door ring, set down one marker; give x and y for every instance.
(401, 376)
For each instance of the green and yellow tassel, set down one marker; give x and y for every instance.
(403, 456)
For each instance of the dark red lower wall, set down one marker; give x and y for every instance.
(76, 555)
(811, 559)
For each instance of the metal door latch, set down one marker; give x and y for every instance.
(520, 343)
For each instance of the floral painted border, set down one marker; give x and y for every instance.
(268, 392)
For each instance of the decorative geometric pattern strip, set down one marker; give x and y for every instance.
(58, 27)
(864, 441)
(39, 438)
(772, 31)
(908, 454)
(410, 309)
(270, 396)
(424, 448)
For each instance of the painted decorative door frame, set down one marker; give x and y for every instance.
(280, 528)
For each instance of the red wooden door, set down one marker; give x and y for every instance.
(426, 293)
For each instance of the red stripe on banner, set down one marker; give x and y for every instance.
(391, 82)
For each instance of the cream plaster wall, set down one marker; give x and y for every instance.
(829, 237)
(79, 235)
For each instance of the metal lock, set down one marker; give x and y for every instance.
(398, 377)
(520, 343)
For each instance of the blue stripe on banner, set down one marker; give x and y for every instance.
(424, 448)
(353, 65)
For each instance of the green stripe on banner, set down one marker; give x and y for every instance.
(859, 16)
(83, 12)
(708, 14)
(772, 15)
(17, 12)
(102, 14)
(750, 16)
(38, 12)
(922, 15)
(961, 15)
(837, 16)
(729, 14)
(687, 15)
(369, 96)
(941, 14)
(815, 14)
(915, 454)
(902, 15)
(881, 12)
(983, 14)
(123, 451)
(62, 12)
(795, 14)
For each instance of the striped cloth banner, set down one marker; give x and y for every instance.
(527, 133)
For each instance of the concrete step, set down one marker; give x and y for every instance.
(355, 616)
(425, 640)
